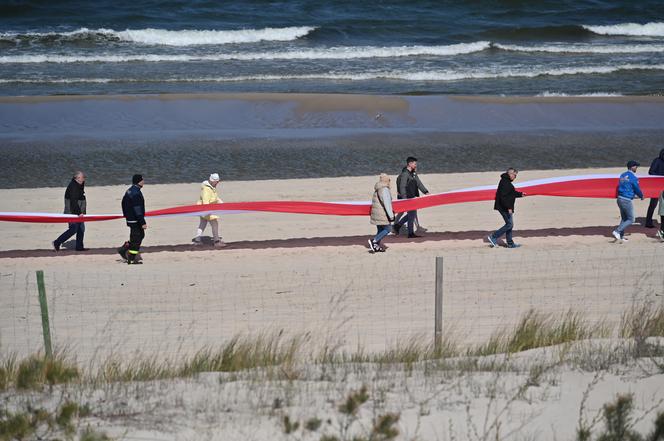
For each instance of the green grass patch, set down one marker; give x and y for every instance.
(536, 330)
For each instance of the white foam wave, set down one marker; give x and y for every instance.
(420, 76)
(165, 37)
(584, 48)
(652, 29)
(334, 53)
(592, 94)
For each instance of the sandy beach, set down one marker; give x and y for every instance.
(313, 275)
(297, 327)
(284, 271)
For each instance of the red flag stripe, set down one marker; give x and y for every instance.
(590, 186)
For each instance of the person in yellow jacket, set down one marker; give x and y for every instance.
(209, 196)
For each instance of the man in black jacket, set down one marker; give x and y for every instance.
(657, 169)
(505, 197)
(133, 209)
(408, 186)
(75, 203)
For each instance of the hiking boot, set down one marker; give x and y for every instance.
(122, 251)
(413, 236)
(56, 246)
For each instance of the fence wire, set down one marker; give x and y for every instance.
(126, 312)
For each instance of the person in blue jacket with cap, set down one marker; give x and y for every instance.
(628, 188)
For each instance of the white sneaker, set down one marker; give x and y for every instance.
(616, 235)
(371, 246)
(660, 235)
(492, 241)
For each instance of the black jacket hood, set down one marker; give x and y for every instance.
(661, 155)
(505, 176)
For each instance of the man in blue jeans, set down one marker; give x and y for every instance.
(75, 203)
(506, 196)
(628, 188)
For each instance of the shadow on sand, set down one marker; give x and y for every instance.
(604, 231)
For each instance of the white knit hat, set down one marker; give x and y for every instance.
(214, 177)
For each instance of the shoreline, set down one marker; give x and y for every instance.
(178, 157)
(349, 97)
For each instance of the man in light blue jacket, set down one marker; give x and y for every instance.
(628, 188)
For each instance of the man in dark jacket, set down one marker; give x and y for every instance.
(133, 209)
(74, 204)
(408, 186)
(657, 169)
(505, 197)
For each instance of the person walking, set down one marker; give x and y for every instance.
(408, 186)
(382, 214)
(506, 196)
(133, 209)
(660, 232)
(75, 203)
(656, 169)
(628, 188)
(209, 196)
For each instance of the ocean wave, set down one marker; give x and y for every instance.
(583, 48)
(397, 75)
(591, 94)
(652, 29)
(163, 37)
(334, 53)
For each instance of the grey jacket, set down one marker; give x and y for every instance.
(409, 185)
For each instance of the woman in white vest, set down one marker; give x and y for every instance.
(381, 212)
(209, 196)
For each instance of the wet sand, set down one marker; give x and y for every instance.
(171, 138)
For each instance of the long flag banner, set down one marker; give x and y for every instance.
(586, 186)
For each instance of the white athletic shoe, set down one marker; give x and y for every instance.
(371, 246)
(616, 235)
(492, 241)
(660, 235)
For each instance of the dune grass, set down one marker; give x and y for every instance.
(37, 371)
(536, 330)
(279, 355)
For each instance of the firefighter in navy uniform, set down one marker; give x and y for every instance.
(133, 209)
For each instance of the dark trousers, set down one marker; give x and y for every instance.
(651, 210)
(507, 228)
(77, 228)
(136, 235)
(410, 218)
